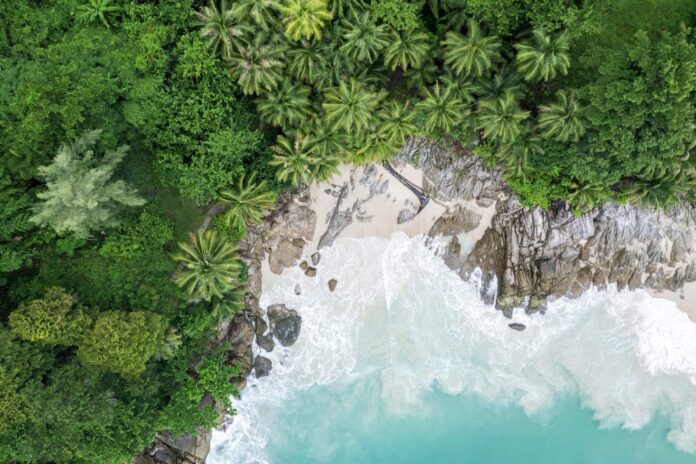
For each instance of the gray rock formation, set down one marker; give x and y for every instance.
(285, 323)
(332, 284)
(517, 326)
(533, 254)
(262, 366)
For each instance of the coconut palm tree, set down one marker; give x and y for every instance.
(406, 49)
(442, 109)
(586, 196)
(230, 304)
(350, 106)
(464, 88)
(662, 192)
(246, 201)
(517, 156)
(256, 66)
(504, 80)
(97, 10)
(375, 148)
(397, 122)
(562, 120)
(326, 141)
(324, 167)
(262, 13)
(293, 159)
(304, 18)
(363, 38)
(501, 119)
(308, 63)
(472, 55)
(287, 105)
(542, 57)
(210, 266)
(346, 8)
(222, 31)
(420, 78)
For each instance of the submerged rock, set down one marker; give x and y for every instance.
(311, 271)
(285, 323)
(332, 284)
(517, 326)
(316, 257)
(405, 215)
(304, 265)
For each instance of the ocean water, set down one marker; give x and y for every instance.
(404, 363)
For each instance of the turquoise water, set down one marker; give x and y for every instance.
(404, 363)
(348, 424)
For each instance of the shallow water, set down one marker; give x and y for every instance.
(404, 363)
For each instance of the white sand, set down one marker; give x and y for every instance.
(685, 298)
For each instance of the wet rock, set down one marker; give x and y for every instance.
(297, 289)
(265, 342)
(332, 284)
(316, 257)
(285, 254)
(311, 271)
(304, 265)
(262, 366)
(454, 222)
(285, 323)
(405, 215)
(517, 326)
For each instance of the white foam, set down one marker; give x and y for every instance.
(399, 311)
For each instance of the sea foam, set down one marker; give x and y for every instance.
(400, 313)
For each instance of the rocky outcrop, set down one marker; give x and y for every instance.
(533, 254)
(285, 323)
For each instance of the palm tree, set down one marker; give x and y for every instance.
(304, 18)
(406, 49)
(544, 56)
(464, 88)
(396, 122)
(326, 141)
(501, 119)
(257, 66)
(230, 304)
(308, 62)
(427, 74)
(505, 79)
(210, 266)
(349, 106)
(287, 105)
(662, 192)
(517, 156)
(562, 120)
(472, 55)
(346, 8)
(97, 10)
(246, 202)
(170, 344)
(261, 12)
(224, 34)
(363, 38)
(376, 148)
(324, 167)
(293, 159)
(586, 196)
(442, 109)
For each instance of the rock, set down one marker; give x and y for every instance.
(265, 342)
(517, 326)
(297, 289)
(311, 271)
(332, 284)
(262, 366)
(316, 257)
(285, 323)
(285, 254)
(484, 202)
(304, 265)
(454, 222)
(405, 215)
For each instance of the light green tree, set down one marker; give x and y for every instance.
(308, 63)
(304, 18)
(324, 167)
(406, 49)
(81, 196)
(363, 38)
(350, 106)
(210, 266)
(517, 156)
(261, 13)
(55, 319)
(346, 8)
(287, 105)
(501, 119)
(293, 159)
(257, 66)
(473, 54)
(506, 79)
(442, 109)
(544, 56)
(220, 28)
(247, 201)
(325, 141)
(562, 120)
(397, 121)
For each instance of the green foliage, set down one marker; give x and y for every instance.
(402, 15)
(407, 49)
(304, 18)
(350, 106)
(562, 120)
(210, 266)
(363, 39)
(56, 319)
(543, 57)
(122, 342)
(81, 197)
(247, 201)
(97, 11)
(472, 55)
(443, 111)
(150, 231)
(257, 66)
(501, 119)
(293, 159)
(214, 377)
(220, 27)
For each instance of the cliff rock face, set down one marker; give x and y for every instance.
(534, 254)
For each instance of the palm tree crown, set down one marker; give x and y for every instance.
(406, 49)
(350, 106)
(210, 266)
(397, 122)
(363, 38)
(256, 66)
(562, 120)
(502, 118)
(443, 110)
(287, 105)
(220, 28)
(472, 55)
(247, 201)
(543, 57)
(260, 12)
(293, 159)
(307, 62)
(304, 18)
